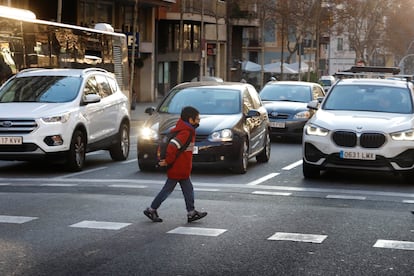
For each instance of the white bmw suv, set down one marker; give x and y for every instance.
(362, 124)
(61, 114)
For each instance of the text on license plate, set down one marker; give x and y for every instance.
(357, 155)
(11, 140)
(277, 124)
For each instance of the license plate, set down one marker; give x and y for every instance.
(11, 140)
(277, 124)
(360, 155)
(195, 150)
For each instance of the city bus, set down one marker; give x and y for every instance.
(27, 42)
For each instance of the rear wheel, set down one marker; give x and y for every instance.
(76, 155)
(241, 164)
(120, 150)
(264, 155)
(310, 171)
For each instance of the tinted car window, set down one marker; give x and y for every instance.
(317, 92)
(207, 100)
(104, 88)
(55, 89)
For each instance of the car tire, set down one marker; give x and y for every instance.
(145, 167)
(310, 171)
(76, 155)
(241, 164)
(120, 150)
(264, 155)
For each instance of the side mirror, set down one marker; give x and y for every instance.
(150, 110)
(313, 104)
(253, 113)
(91, 98)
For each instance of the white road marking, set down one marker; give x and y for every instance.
(263, 179)
(408, 201)
(60, 185)
(293, 165)
(283, 236)
(5, 184)
(346, 197)
(100, 225)
(127, 186)
(404, 245)
(82, 172)
(16, 219)
(129, 161)
(211, 232)
(271, 193)
(206, 190)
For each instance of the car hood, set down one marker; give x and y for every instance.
(208, 123)
(362, 121)
(32, 110)
(281, 106)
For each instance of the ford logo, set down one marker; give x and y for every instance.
(6, 123)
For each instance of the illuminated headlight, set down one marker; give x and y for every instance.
(147, 133)
(407, 135)
(315, 130)
(57, 119)
(302, 115)
(221, 136)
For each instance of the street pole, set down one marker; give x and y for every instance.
(181, 38)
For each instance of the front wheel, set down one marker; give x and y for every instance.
(76, 155)
(241, 164)
(264, 155)
(120, 150)
(310, 171)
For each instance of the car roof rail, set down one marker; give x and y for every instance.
(368, 71)
(96, 69)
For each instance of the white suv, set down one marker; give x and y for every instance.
(363, 124)
(60, 114)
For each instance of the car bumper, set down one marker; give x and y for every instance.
(393, 157)
(286, 128)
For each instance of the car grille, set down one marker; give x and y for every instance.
(17, 126)
(278, 116)
(366, 140)
(18, 148)
(200, 138)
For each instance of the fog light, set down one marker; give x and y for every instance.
(55, 140)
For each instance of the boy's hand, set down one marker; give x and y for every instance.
(162, 163)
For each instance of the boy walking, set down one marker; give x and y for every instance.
(179, 165)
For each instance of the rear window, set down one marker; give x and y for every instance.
(43, 89)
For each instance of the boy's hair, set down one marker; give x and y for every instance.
(189, 112)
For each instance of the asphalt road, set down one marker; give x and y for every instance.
(269, 221)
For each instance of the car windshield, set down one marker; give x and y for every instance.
(50, 89)
(369, 98)
(207, 100)
(325, 82)
(290, 93)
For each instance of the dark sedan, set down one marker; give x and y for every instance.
(286, 104)
(233, 126)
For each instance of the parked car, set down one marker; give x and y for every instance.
(327, 82)
(362, 124)
(233, 126)
(60, 114)
(286, 105)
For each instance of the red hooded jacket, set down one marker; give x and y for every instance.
(182, 165)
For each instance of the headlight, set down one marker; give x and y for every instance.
(302, 115)
(147, 133)
(315, 130)
(407, 135)
(57, 119)
(221, 136)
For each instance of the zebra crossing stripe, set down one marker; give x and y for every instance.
(93, 224)
(16, 219)
(391, 244)
(283, 236)
(271, 193)
(211, 232)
